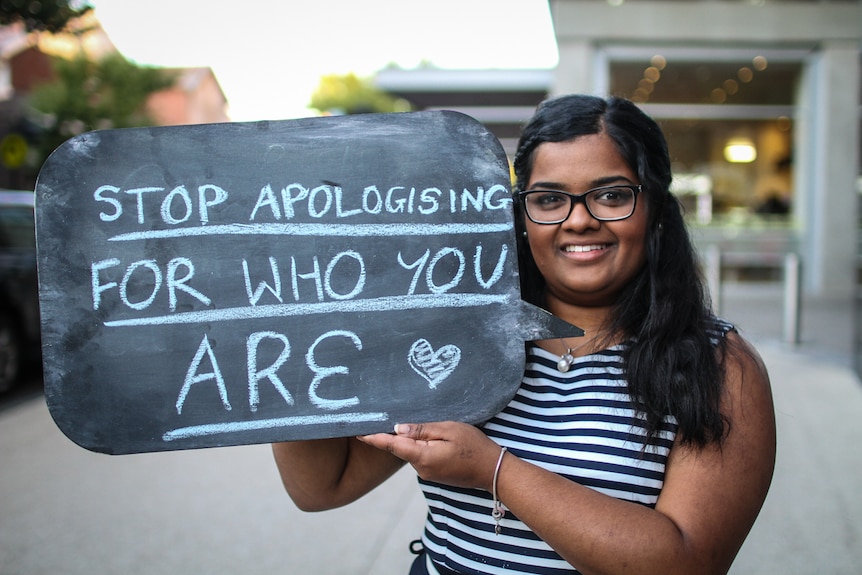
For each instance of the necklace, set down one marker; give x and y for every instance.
(568, 358)
(566, 361)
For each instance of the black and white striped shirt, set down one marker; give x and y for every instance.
(579, 424)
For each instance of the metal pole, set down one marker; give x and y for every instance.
(792, 298)
(713, 276)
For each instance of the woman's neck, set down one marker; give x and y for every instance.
(591, 319)
(595, 321)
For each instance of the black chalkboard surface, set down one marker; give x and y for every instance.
(246, 283)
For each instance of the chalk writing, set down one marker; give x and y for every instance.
(193, 376)
(270, 372)
(153, 277)
(298, 284)
(167, 207)
(178, 207)
(350, 262)
(274, 423)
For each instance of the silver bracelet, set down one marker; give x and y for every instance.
(498, 510)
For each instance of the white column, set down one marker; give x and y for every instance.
(574, 73)
(827, 154)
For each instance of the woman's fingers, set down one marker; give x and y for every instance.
(446, 452)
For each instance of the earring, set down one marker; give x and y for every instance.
(524, 233)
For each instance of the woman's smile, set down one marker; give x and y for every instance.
(583, 249)
(591, 250)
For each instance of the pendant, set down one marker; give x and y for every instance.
(566, 361)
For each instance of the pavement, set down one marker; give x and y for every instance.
(65, 510)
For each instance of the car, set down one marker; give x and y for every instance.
(19, 288)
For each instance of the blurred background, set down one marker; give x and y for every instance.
(761, 101)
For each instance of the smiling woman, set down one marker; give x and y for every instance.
(616, 455)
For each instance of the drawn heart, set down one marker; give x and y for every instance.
(434, 366)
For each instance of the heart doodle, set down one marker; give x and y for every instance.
(434, 366)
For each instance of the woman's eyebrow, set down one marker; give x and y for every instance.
(597, 183)
(547, 186)
(610, 180)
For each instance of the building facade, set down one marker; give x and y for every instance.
(778, 81)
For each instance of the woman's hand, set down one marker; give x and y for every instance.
(452, 453)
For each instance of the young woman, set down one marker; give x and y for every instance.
(646, 446)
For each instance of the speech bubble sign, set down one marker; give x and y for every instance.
(244, 283)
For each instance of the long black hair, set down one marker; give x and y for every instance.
(672, 364)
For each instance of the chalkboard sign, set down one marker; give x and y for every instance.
(245, 283)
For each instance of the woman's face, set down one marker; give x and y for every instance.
(585, 262)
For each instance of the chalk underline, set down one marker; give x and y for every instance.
(340, 230)
(389, 303)
(254, 425)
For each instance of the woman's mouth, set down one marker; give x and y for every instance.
(584, 248)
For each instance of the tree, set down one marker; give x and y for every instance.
(349, 94)
(49, 15)
(87, 95)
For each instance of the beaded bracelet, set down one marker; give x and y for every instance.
(498, 510)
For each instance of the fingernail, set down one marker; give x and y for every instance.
(401, 429)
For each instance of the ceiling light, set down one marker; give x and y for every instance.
(740, 151)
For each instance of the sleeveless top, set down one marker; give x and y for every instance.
(580, 424)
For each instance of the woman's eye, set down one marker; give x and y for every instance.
(550, 200)
(613, 197)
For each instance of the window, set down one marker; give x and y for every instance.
(727, 117)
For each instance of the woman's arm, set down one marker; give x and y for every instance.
(709, 501)
(328, 473)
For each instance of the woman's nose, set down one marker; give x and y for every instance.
(580, 218)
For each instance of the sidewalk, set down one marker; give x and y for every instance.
(66, 510)
(812, 519)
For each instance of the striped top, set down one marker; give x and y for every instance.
(580, 424)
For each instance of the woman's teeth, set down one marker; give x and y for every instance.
(582, 249)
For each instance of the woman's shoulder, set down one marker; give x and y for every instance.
(741, 361)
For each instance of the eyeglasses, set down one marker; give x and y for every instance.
(605, 204)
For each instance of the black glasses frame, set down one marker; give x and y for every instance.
(582, 199)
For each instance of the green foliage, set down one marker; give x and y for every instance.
(88, 95)
(350, 94)
(49, 15)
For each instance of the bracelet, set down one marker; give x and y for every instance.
(498, 510)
